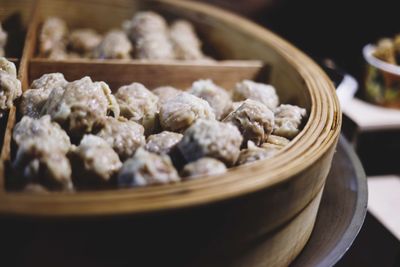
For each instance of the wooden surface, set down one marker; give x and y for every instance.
(110, 242)
(271, 195)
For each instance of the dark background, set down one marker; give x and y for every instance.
(325, 28)
(337, 30)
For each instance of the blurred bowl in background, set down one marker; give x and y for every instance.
(382, 80)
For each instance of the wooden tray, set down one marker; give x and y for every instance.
(277, 199)
(340, 216)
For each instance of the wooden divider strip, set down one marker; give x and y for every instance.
(27, 53)
(152, 74)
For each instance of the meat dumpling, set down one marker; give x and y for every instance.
(288, 119)
(163, 142)
(81, 106)
(254, 120)
(178, 113)
(115, 45)
(261, 92)
(216, 96)
(41, 154)
(124, 136)
(139, 104)
(34, 99)
(94, 162)
(146, 168)
(149, 33)
(10, 86)
(211, 138)
(203, 167)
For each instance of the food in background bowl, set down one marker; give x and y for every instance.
(388, 50)
(382, 80)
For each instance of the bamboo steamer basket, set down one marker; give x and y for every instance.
(256, 215)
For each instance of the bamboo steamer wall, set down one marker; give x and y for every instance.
(256, 215)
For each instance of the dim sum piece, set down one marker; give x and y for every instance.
(163, 142)
(203, 167)
(52, 36)
(235, 105)
(41, 155)
(263, 93)
(84, 40)
(42, 129)
(49, 81)
(58, 52)
(211, 138)
(138, 104)
(94, 162)
(40, 163)
(10, 86)
(274, 144)
(52, 101)
(8, 67)
(124, 136)
(273, 148)
(149, 33)
(277, 140)
(254, 153)
(186, 44)
(82, 106)
(216, 96)
(288, 119)
(115, 45)
(178, 113)
(33, 100)
(254, 120)
(166, 93)
(146, 168)
(39, 160)
(144, 23)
